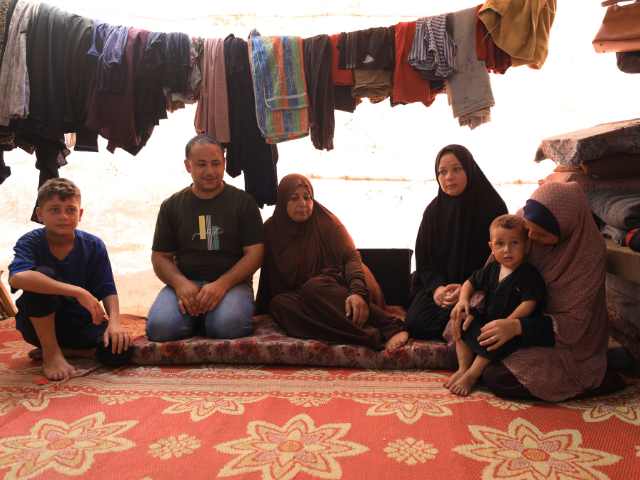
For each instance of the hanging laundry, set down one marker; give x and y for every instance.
(259, 158)
(374, 82)
(14, 77)
(235, 57)
(177, 62)
(78, 69)
(521, 28)
(365, 49)
(486, 49)
(433, 50)
(111, 114)
(408, 86)
(6, 12)
(179, 99)
(280, 87)
(317, 68)
(343, 99)
(212, 115)
(469, 88)
(5, 172)
(340, 77)
(111, 71)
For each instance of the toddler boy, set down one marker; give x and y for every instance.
(64, 274)
(513, 289)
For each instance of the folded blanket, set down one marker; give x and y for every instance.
(616, 234)
(589, 183)
(617, 208)
(469, 88)
(280, 86)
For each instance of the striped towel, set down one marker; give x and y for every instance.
(432, 47)
(280, 87)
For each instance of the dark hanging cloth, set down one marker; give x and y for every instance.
(111, 114)
(452, 242)
(111, 71)
(177, 61)
(317, 69)
(78, 70)
(365, 49)
(628, 62)
(234, 65)
(45, 40)
(259, 159)
(5, 171)
(343, 99)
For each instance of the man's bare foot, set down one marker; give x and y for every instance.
(57, 368)
(398, 340)
(464, 385)
(35, 354)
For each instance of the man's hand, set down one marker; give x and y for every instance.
(358, 309)
(92, 304)
(187, 292)
(210, 296)
(118, 337)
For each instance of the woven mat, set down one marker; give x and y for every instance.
(268, 344)
(282, 422)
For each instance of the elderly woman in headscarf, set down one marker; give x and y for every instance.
(565, 354)
(313, 281)
(452, 240)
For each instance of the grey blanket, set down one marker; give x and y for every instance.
(469, 88)
(616, 234)
(618, 208)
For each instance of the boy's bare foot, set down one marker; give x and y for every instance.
(397, 341)
(57, 368)
(35, 354)
(464, 385)
(454, 378)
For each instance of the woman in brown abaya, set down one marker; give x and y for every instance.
(313, 281)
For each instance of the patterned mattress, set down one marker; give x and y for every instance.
(270, 345)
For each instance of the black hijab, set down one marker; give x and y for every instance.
(453, 235)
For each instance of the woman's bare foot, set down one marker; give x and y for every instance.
(57, 368)
(35, 354)
(454, 378)
(464, 385)
(397, 341)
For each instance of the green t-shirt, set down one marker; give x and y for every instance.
(207, 236)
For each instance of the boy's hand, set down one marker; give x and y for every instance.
(92, 304)
(118, 337)
(210, 296)
(186, 293)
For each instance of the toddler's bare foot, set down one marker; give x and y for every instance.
(35, 354)
(57, 368)
(454, 378)
(464, 385)
(397, 341)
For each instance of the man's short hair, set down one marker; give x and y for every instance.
(201, 140)
(57, 187)
(509, 222)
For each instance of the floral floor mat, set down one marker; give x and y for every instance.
(286, 421)
(269, 344)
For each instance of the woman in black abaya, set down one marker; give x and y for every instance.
(452, 241)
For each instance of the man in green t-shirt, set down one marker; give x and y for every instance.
(208, 243)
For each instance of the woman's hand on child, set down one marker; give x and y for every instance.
(186, 293)
(92, 304)
(498, 332)
(118, 337)
(357, 308)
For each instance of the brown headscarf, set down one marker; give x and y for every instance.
(298, 251)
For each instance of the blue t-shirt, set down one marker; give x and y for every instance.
(87, 266)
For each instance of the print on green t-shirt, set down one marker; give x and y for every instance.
(207, 236)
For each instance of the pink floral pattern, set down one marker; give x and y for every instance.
(268, 344)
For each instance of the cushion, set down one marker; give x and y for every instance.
(616, 207)
(618, 165)
(268, 344)
(589, 183)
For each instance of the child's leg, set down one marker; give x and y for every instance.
(466, 382)
(465, 360)
(54, 366)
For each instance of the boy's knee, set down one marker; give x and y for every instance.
(106, 357)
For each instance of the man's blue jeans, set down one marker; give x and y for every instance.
(232, 318)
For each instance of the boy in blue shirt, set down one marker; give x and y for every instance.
(64, 274)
